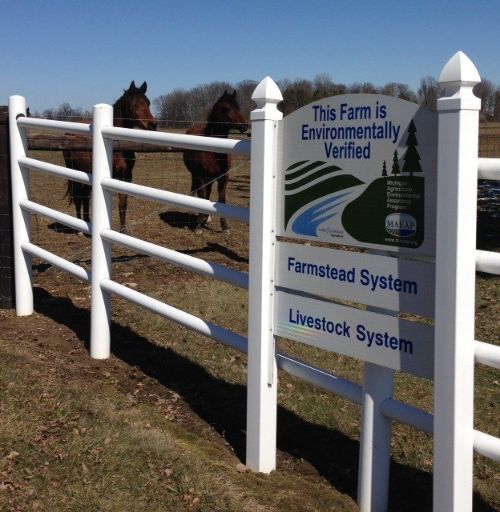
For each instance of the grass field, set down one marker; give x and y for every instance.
(161, 424)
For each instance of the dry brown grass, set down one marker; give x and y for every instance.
(161, 425)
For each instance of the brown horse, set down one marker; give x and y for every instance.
(129, 111)
(206, 167)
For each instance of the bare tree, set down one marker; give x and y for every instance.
(172, 109)
(324, 87)
(181, 107)
(365, 87)
(297, 94)
(496, 112)
(65, 112)
(486, 91)
(399, 90)
(429, 92)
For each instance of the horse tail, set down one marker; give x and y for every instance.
(68, 160)
(69, 192)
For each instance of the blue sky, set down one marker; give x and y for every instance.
(87, 52)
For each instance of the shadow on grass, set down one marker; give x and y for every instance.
(212, 247)
(43, 267)
(223, 406)
(179, 220)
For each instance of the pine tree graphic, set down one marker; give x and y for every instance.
(412, 158)
(395, 163)
(384, 170)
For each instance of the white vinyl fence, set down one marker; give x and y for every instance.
(456, 263)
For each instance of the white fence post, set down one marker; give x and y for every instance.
(21, 219)
(455, 285)
(375, 439)
(262, 370)
(102, 165)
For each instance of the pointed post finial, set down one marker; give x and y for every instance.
(458, 78)
(266, 95)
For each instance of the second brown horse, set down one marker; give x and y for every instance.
(206, 167)
(131, 110)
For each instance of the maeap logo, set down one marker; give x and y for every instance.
(401, 225)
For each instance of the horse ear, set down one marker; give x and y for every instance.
(143, 88)
(132, 85)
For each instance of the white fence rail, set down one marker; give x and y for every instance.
(55, 170)
(262, 357)
(185, 261)
(173, 198)
(55, 126)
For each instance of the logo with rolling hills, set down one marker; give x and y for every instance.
(307, 181)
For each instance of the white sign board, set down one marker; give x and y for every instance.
(384, 340)
(386, 282)
(359, 170)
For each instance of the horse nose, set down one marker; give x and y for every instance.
(152, 125)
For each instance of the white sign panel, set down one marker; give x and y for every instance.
(384, 340)
(382, 281)
(359, 170)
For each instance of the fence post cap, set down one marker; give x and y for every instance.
(267, 92)
(459, 69)
(458, 78)
(102, 106)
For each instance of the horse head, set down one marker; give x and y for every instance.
(226, 114)
(132, 109)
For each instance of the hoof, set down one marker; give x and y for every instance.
(196, 229)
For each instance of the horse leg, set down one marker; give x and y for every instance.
(221, 186)
(122, 209)
(77, 197)
(123, 173)
(208, 191)
(199, 188)
(78, 205)
(85, 201)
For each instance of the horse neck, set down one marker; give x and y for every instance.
(121, 117)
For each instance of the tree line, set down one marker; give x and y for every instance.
(181, 107)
